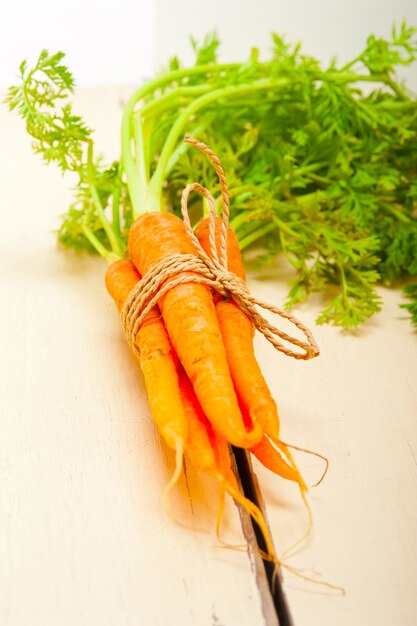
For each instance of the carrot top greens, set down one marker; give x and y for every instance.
(321, 163)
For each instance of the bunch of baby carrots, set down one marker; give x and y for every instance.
(191, 347)
(192, 344)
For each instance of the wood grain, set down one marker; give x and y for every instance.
(84, 538)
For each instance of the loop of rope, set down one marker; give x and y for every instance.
(211, 271)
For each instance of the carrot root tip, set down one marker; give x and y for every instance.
(314, 453)
(179, 456)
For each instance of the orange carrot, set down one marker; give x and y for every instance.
(191, 322)
(209, 452)
(269, 456)
(237, 332)
(157, 359)
(202, 443)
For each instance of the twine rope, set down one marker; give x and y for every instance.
(212, 272)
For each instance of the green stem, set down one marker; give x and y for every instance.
(345, 298)
(106, 226)
(182, 147)
(178, 127)
(305, 169)
(358, 276)
(284, 228)
(141, 167)
(374, 78)
(400, 216)
(128, 160)
(350, 64)
(147, 128)
(315, 196)
(357, 78)
(165, 101)
(116, 207)
(396, 88)
(97, 202)
(244, 189)
(110, 257)
(155, 107)
(395, 104)
(257, 234)
(237, 221)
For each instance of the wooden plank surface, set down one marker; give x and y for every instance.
(84, 538)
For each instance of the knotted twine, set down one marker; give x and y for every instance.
(212, 272)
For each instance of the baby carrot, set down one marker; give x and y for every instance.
(237, 332)
(157, 359)
(269, 456)
(209, 452)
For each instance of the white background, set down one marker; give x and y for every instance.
(124, 41)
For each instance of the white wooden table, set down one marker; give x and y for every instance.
(84, 539)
